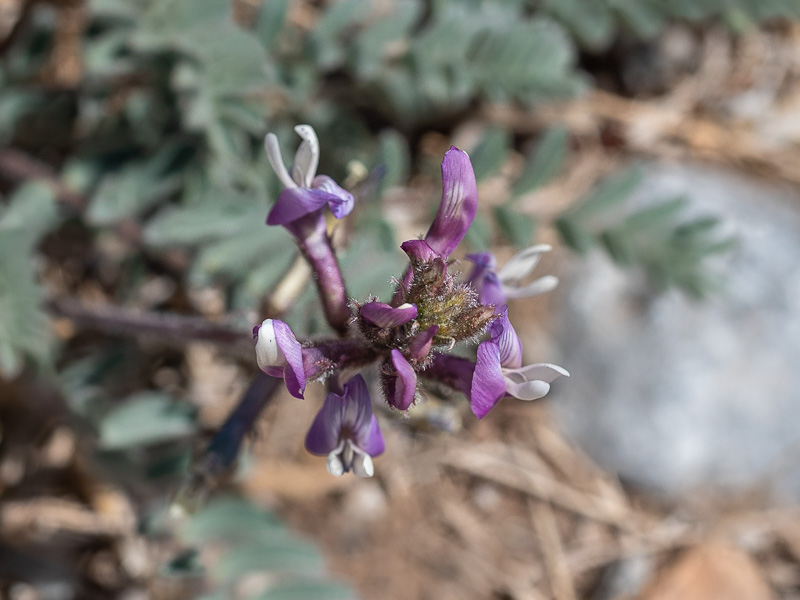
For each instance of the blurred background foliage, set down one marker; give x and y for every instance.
(139, 128)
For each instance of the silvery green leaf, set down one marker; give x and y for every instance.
(518, 228)
(611, 192)
(31, 210)
(394, 157)
(590, 21)
(644, 17)
(544, 162)
(219, 214)
(270, 20)
(285, 555)
(231, 519)
(308, 590)
(490, 153)
(145, 418)
(24, 327)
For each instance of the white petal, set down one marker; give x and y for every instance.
(362, 464)
(534, 288)
(268, 353)
(541, 371)
(276, 160)
(527, 390)
(334, 464)
(522, 263)
(306, 159)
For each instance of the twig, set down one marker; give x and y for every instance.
(555, 562)
(479, 461)
(173, 328)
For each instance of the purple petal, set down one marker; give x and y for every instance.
(342, 201)
(294, 374)
(294, 203)
(323, 436)
(420, 344)
(372, 443)
(508, 342)
(485, 281)
(418, 251)
(401, 389)
(357, 406)
(488, 383)
(385, 316)
(455, 371)
(492, 291)
(458, 206)
(359, 419)
(483, 261)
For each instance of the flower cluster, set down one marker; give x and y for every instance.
(411, 336)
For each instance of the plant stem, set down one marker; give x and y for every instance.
(315, 244)
(177, 329)
(219, 456)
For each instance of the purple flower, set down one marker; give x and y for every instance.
(346, 431)
(400, 383)
(279, 354)
(299, 206)
(458, 206)
(498, 371)
(420, 345)
(497, 286)
(386, 317)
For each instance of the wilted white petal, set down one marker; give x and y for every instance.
(534, 288)
(522, 263)
(334, 464)
(276, 160)
(306, 159)
(362, 464)
(268, 353)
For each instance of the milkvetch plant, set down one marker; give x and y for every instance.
(408, 338)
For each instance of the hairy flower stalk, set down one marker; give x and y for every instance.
(410, 338)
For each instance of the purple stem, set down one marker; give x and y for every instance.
(335, 355)
(315, 244)
(453, 371)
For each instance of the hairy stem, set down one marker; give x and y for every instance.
(315, 244)
(176, 329)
